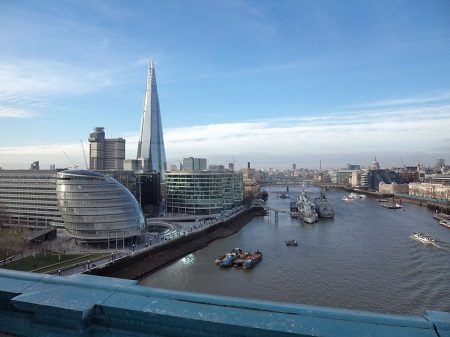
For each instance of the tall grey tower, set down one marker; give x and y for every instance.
(105, 154)
(151, 141)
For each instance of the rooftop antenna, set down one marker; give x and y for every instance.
(84, 155)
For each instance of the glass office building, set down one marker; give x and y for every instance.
(28, 198)
(206, 192)
(96, 208)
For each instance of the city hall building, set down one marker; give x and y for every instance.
(93, 207)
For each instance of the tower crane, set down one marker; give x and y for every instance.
(84, 155)
(74, 166)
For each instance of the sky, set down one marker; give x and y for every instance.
(270, 82)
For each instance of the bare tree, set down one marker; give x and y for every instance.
(3, 216)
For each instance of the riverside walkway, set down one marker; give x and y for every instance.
(151, 241)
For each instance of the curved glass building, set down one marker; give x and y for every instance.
(206, 192)
(96, 208)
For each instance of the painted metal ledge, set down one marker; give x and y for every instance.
(84, 305)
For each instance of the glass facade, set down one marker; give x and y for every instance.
(29, 198)
(202, 192)
(97, 208)
(151, 140)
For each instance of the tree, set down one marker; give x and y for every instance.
(3, 216)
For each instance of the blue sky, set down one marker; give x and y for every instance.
(271, 82)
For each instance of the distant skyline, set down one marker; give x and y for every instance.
(273, 83)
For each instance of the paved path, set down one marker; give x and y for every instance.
(149, 240)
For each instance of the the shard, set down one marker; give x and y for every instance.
(151, 151)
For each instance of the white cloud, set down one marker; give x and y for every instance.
(439, 96)
(30, 77)
(15, 113)
(423, 130)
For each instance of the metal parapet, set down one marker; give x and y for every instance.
(84, 305)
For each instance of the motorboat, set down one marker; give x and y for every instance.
(391, 205)
(441, 216)
(354, 195)
(228, 259)
(424, 238)
(445, 223)
(252, 260)
(291, 242)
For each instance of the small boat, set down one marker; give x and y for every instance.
(252, 260)
(354, 196)
(441, 216)
(228, 260)
(347, 199)
(239, 262)
(291, 242)
(284, 196)
(220, 258)
(424, 238)
(390, 205)
(445, 223)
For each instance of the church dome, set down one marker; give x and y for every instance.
(375, 165)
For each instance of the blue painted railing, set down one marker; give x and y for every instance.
(84, 305)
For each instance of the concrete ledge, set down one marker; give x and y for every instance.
(84, 305)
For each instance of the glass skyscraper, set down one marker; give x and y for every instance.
(151, 141)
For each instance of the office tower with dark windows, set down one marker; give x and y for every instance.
(105, 154)
(151, 152)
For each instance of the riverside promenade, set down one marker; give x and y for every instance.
(182, 239)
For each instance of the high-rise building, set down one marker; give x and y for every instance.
(105, 154)
(151, 141)
(194, 164)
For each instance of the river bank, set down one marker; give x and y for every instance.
(148, 260)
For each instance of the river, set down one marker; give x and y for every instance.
(362, 259)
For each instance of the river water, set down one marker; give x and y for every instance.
(361, 259)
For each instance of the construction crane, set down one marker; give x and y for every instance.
(84, 155)
(231, 162)
(74, 166)
(401, 159)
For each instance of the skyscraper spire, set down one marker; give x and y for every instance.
(151, 141)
